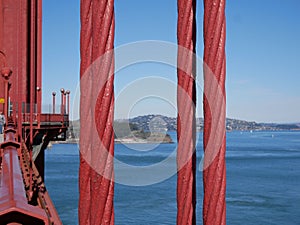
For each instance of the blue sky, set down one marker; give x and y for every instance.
(263, 53)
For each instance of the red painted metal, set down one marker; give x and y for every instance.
(62, 92)
(214, 174)
(1, 38)
(21, 45)
(32, 75)
(186, 101)
(33, 65)
(68, 101)
(53, 101)
(14, 29)
(65, 102)
(21, 42)
(6, 73)
(39, 57)
(22, 62)
(43, 200)
(52, 118)
(96, 39)
(13, 202)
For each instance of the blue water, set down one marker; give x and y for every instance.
(263, 181)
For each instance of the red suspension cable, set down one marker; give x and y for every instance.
(214, 174)
(186, 101)
(96, 39)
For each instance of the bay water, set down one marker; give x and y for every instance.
(263, 180)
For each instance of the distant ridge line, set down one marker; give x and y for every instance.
(170, 123)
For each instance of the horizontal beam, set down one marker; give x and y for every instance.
(14, 207)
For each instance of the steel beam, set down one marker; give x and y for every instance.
(13, 202)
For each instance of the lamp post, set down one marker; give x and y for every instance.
(53, 101)
(65, 102)
(6, 73)
(38, 105)
(68, 101)
(62, 91)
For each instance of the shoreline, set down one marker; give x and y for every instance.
(129, 140)
(120, 141)
(140, 141)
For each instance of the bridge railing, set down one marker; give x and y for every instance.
(48, 115)
(14, 207)
(57, 109)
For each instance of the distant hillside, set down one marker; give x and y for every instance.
(125, 133)
(142, 125)
(159, 122)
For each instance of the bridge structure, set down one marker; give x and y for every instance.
(23, 196)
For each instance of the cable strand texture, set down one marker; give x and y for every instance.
(96, 39)
(214, 174)
(186, 101)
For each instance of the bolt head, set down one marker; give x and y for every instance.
(6, 72)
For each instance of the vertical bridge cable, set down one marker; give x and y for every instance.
(96, 39)
(186, 101)
(214, 173)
